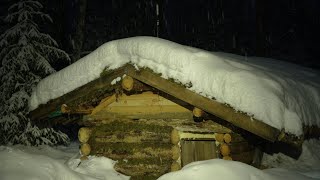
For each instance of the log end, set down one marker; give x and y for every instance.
(219, 137)
(175, 166)
(227, 138)
(227, 158)
(175, 137)
(175, 152)
(197, 112)
(127, 83)
(85, 149)
(224, 149)
(84, 134)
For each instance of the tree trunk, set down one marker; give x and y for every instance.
(78, 37)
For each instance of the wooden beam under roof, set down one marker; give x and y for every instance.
(81, 94)
(223, 111)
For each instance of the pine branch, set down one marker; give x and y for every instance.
(58, 53)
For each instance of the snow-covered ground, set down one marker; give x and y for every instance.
(63, 163)
(59, 163)
(280, 94)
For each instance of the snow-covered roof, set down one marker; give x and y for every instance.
(282, 95)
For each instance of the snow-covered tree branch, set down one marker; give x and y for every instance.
(26, 56)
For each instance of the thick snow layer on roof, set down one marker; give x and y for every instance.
(280, 94)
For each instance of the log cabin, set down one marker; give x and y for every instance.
(152, 125)
(135, 105)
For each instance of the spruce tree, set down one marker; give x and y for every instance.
(26, 54)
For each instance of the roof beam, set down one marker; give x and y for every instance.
(211, 106)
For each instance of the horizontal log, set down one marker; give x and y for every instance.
(139, 157)
(134, 149)
(144, 160)
(65, 109)
(133, 137)
(142, 171)
(132, 125)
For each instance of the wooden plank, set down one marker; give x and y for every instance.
(140, 106)
(187, 152)
(205, 150)
(211, 106)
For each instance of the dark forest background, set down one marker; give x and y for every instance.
(287, 29)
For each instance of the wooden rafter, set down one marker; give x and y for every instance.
(220, 110)
(102, 84)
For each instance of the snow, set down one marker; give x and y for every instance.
(63, 163)
(113, 82)
(308, 160)
(280, 94)
(43, 162)
(230, 170)
(280, 167)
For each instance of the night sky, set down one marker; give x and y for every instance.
(286, 30)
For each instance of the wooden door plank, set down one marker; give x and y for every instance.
(187, 152)
(205, 150)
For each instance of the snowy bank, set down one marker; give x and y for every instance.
(231, 170)
(307, 167)
(63, 163)
(44, 162)
(280, 94)
(308, 160)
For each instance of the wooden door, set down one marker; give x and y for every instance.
(197, 151)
